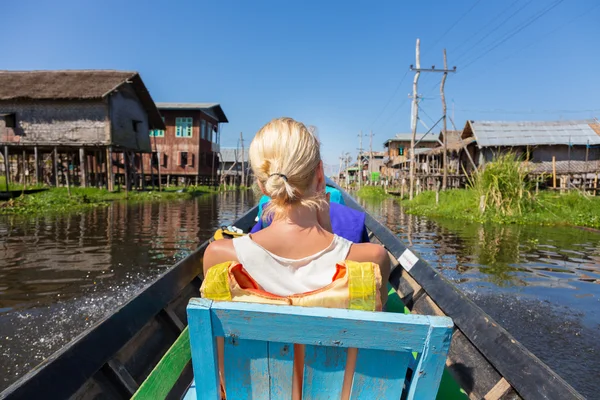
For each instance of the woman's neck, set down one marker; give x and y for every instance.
(298, 216)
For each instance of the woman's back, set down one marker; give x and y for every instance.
(297, 252)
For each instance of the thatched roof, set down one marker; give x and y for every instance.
(75, 85)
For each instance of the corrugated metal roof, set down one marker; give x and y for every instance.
(212, 109)
(232, 154)
(406, 137)
(501, 133)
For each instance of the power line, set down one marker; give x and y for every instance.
(466, 52)
(547, 10)
(452, 26)
(484, 27)
(390, 100)
(518, 29)
(539, 38)
(529, 112)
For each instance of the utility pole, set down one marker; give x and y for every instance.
(347, 157)
(243, 163)
(370, 155)
(360, 150)
(445, 177)
(415, 114)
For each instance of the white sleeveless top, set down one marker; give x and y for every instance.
(285, 276)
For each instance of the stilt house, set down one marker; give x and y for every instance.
(74, 127)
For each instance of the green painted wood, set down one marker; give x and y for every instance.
(324, 368)
(281, 369)
(246, 369)
(166, 373)
(379, 374)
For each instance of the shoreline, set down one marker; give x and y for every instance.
(549, 209)
(56, 201)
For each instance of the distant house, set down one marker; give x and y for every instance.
(187, 150)
(398, 151)
(231, 166)
(372, 164)
(59, 126)
(459, 160)
(537, 142)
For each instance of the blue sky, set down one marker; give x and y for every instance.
(336, 65)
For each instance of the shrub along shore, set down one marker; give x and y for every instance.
(59, 200)
(503, 193)
(572, 208)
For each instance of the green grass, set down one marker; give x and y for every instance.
(57, 200)
(372, 192)
(547, 208)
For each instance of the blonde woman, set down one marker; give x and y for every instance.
(297, 253)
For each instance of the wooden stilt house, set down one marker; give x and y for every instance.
(83, 127)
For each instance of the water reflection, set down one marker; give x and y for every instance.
(58, 275)
(541, 283)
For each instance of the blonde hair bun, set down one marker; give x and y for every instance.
(284, 156)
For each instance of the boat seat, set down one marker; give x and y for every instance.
(259, 351)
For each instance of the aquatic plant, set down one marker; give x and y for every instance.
(503, 186)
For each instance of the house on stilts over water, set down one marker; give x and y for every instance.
(82, 127)
(187, 151)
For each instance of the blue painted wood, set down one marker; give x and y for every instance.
(191, 392)
(379, 374)
(281, 369)
(322, 326)
(428, 374)
(204, 349)
(246, 369)
(324, 368)
(327, 333)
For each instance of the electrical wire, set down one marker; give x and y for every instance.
(391, 97)
(531, 21)
(452, 26)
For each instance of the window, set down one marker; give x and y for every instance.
(165, 160)
(135, 125)
(186, 159)
(157, 133)
(203, 127)
(400, 150)
(183, 158)
(183, 127)
(209, 131)
(10, 120)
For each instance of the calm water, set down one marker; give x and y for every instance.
(58, 275)
(541, 283)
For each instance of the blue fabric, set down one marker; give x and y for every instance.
(335, 196)
(345, 221)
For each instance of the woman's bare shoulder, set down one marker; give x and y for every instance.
(367, 252)
(218, 252)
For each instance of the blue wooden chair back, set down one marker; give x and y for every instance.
(259, 346)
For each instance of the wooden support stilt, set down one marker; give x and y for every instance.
(110, 176)
(142, 171)
(554, 172)
(83, 167)
(6, 167)
(158, 169)
(37, 165)
(66, 173)
(55, 161)
(126, 162)
(24, 168)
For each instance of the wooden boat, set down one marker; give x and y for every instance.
(112, 358)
